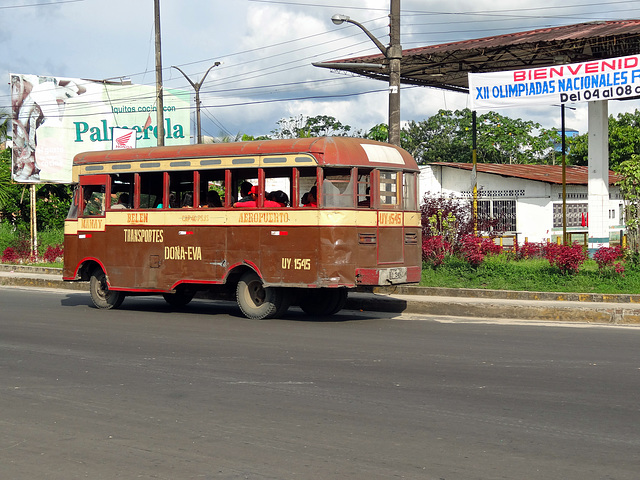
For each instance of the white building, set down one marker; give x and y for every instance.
(527, 199)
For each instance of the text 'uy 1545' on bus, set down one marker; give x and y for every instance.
(270, 223)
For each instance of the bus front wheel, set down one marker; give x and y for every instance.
(101, 296)
(257, 301)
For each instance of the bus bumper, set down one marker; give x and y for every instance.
(388, 276)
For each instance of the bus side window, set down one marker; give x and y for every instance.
(307, 179)
(181, 188)
(337, 188)
(122, 190)
(151, 189)
(277, 186)
(409, 191)
(364, 189)
(94, 200)
(73, 209)
(212, 189)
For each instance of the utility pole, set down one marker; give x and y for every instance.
(394, 56)
(196, 86)
(159, 102)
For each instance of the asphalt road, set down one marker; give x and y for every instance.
(204, 393)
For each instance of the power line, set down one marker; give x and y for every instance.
(59, 2)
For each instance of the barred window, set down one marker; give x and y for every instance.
(576, 214)
(500, 213)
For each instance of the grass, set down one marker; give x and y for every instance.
(503, 273)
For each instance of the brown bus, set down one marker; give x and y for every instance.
(272, 223)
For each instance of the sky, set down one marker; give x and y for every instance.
(266, 49)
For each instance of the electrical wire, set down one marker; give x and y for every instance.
(59, 2)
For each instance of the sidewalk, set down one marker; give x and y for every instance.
(443, 302)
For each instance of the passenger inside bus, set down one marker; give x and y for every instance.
(187, 201)
(250, 200)
(245, 192)
(213, 200)
(309, 199)
(94, 202)
(278, 197)
(123, 202)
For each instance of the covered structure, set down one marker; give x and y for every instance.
(446, 66)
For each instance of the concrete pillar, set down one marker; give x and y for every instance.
(598, 186)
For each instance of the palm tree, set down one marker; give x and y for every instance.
(5, 124)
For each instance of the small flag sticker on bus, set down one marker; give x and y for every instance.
(84, 235)
(185, 232)
(278, 232)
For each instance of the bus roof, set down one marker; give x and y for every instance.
(341, 151)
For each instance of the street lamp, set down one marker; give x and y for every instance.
(196, 86)
(393, 54)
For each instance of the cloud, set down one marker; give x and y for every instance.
(266, 50)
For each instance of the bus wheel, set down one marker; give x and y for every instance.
(181, 298)
(101, 296)
(258, 302)
(324, 301)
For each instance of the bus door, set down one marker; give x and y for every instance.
(390, 219)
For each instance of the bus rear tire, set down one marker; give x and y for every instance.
(101, 296)
(257, 302)
(324, 301)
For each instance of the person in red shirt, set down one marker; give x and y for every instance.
(245, 202)
(311, 198)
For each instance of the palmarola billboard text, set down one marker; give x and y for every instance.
(54, 118)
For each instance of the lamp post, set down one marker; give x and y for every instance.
(196, 86)
(393, 54)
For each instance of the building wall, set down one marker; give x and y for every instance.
(534, 200)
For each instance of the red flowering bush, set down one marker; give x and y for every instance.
(53, 254)
(609, 258)
(568, 258)
(10, 255)
(489, 247)
(434, 250)
(473, 249)
(529, 250)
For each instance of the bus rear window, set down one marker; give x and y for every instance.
(388, 189)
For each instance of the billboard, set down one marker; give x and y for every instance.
(605, 79)
(54, 118)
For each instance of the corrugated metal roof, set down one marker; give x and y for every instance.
(539, 173)
(447, 65)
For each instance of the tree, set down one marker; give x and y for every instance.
(5, 178)
(52, 200)
(318, 126)
(630, 188)
(378, 132)
(251, 138)
(624, 141)
(5, 124)
(447, 137)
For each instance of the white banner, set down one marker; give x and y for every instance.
(607, 79)
(55, 118)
